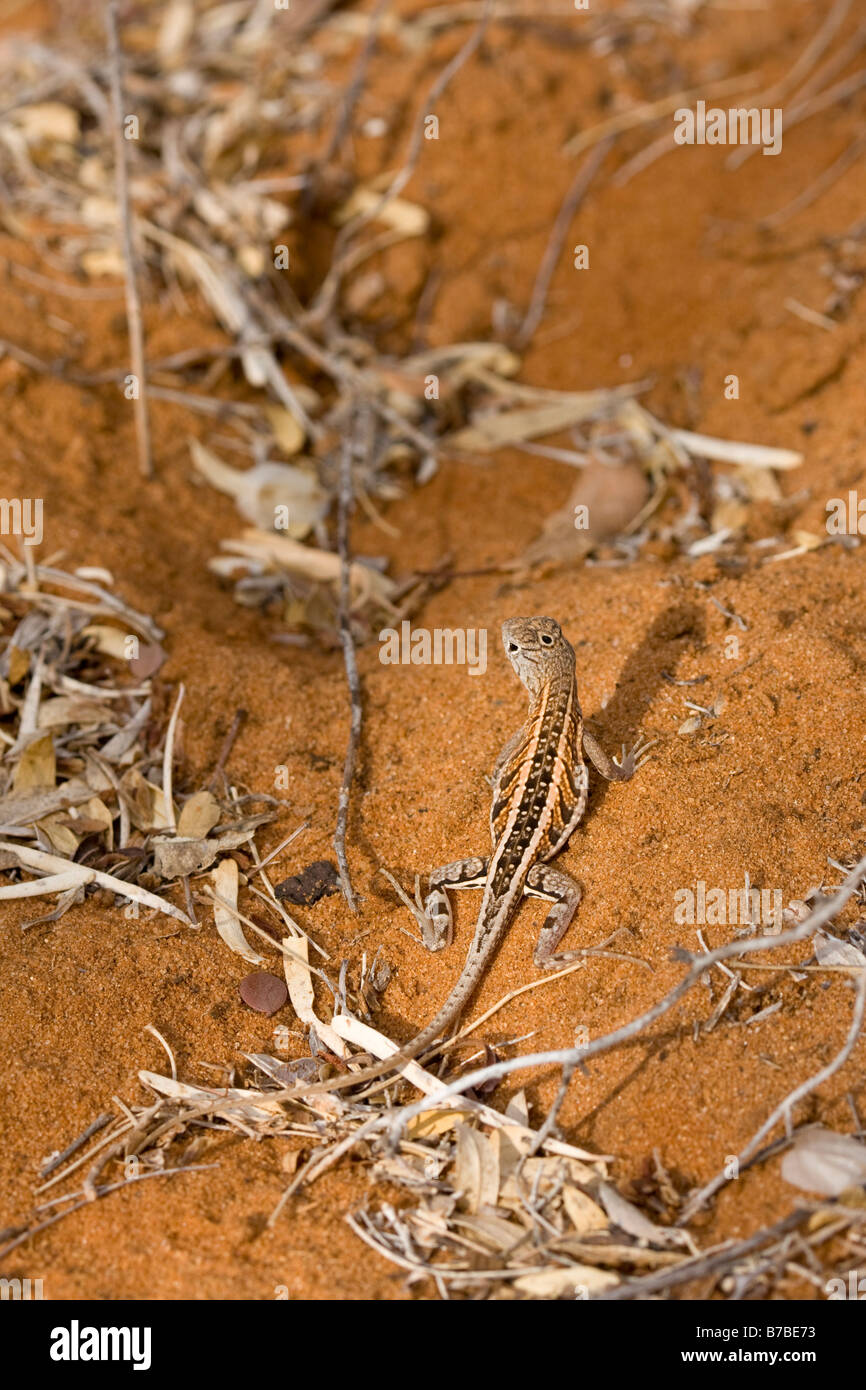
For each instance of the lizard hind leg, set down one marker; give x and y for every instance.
(544, 882)
(437, 927)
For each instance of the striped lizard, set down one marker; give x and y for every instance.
(539, 795)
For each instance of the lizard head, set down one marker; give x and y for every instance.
(536, 648)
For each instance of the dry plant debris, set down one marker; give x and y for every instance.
(202, 201)
(87, 799)
(494, 1207)
(215, 181)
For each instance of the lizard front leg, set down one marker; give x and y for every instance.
(436, 920)
(609, 768)
(544, 882)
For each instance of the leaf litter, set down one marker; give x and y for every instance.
(223, 106)
(86, 796)
(86, 799)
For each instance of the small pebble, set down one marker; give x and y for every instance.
(263, 992)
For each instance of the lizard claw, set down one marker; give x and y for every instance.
(635, 757)
(433, 916)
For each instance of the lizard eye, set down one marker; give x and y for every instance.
(546, 639)
(513, 647)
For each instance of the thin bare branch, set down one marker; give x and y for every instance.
(345, 502)
(133, 303)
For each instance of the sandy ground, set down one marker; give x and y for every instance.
(684, 289)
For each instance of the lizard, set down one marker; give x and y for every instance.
(540, 787)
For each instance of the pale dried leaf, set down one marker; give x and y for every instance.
(63, 710)
(517, 1109)
(225, 881)
(37, 767)
(583, 1213)
(431, 1123)
(410, 219)
(79, 874)
(631, 1220)
(830, 951)
(575, 1281)
(476, 1172)
(61, 838)
(731, 451)
(145, 802)
(249, 1104)
(19, 664)
(111, 641)
(604, 501)
(23, 810)
(288, 433)
(823, 1161)
(761, 484)
(106, 260)
(198, 816)
(47, 120)
(490, 1229)
(497, 430)
(176, 858)
(271, 495)
(323, 566)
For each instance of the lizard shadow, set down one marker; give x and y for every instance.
(678, 629)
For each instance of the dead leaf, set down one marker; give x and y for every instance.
(476, 1170)
(410, 219)
(19, 664)
(830, 951)
(761, 484)
(323, 566)
(603, 503)
(145, 802)
(198, 816)
(498, 429)
(151, 657)
(62, 839)
(106, 260)
(574, 1281)
(37, 766)
(176, 858)
(63, 710)
(823, 1161)
(431, 1123)
(631, 1220)
(225, 882)
(111, 641)
(277, 496)
(583, 1213)
(47, 120)
(287, 432)
(23, 810)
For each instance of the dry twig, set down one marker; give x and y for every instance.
(133, 303)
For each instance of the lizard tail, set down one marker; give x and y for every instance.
(463, 990)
